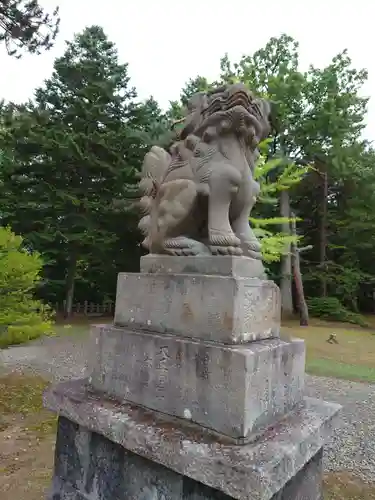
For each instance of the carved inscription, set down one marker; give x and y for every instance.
(161, 369)
(258, 311)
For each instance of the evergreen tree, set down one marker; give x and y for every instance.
(76, 149)
(24, 25)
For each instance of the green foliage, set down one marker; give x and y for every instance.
(277, 175)
(274, 242)
(22, 317)
(331, 309)
(26, 26)
(76, 151)
(318, 116)
(342, 281)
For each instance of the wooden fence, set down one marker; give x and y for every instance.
(88, 308)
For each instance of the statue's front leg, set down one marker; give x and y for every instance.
(241, 210)
(223, 184)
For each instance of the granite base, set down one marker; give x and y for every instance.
(237, 391)
(220, 265)
(89, 466)
(225, 309)
(108, 451)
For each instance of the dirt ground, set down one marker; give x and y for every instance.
(25, 464)
(27, 436)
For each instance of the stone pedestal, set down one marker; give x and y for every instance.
(227, 309)
(191, 394)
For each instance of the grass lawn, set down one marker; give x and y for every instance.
(353, 358)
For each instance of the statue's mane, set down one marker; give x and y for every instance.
(235, 102)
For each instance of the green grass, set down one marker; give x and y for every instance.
(327, 368)
(22, 395)
(353, 358)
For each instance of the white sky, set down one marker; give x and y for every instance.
(168, 41)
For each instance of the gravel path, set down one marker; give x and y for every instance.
(351, 448)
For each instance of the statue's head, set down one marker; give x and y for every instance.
(230, 109)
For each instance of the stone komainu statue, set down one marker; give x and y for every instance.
(198, 198)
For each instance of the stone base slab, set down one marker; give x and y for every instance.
(108, 451)
(216, 308)
(234, 390)
(221, 265)
(89, 466)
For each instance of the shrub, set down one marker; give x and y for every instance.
(22, 317)
(331, 308)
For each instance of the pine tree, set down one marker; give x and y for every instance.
(75, 151)
(25, 25)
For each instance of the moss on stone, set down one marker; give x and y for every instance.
(21, 396)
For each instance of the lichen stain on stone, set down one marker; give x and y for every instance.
(179, 354)
(151, 494)
(201, 363)
(187, 313)
(228, 321)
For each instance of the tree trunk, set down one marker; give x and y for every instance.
(323, 233)
(70, 281)
(302, 305)
(286, 261)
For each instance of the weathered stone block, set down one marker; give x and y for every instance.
(126, 452)
(217, 308)
(122, 474)
(234, 390)
(221, 265)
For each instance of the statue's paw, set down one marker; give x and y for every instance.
(223, 250)
(252, 246)
(252, 249)
(221, 239)
(183, 246)
(187, 251)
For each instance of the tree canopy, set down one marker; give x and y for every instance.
(26, 26)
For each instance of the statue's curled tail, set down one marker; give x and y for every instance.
(173, 199)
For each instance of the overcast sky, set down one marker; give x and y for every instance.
(168, 41)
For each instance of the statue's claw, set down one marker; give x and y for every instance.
(185, 246)
(252, 249)
(225, 250)
(223, 239)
